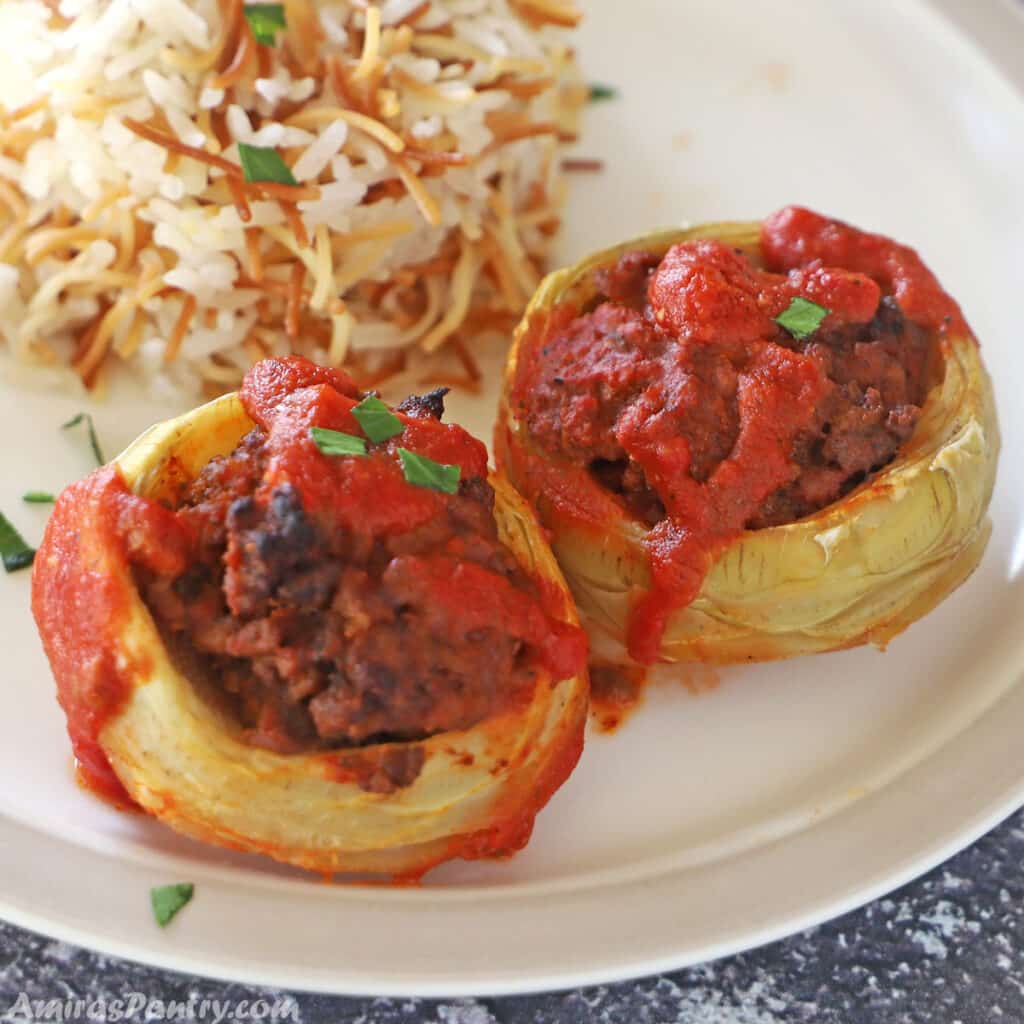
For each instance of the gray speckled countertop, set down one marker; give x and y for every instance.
(948, 949)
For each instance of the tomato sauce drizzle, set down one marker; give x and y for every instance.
(81, 595)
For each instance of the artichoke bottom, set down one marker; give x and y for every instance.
(184, 760)
(860, 570)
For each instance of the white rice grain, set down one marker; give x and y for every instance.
(320, 152)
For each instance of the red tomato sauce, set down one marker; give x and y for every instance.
(615, 692)
(81, 594)
(680, 400)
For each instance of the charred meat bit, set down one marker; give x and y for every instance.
(429, 405)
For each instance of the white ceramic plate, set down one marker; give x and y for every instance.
(710, 823)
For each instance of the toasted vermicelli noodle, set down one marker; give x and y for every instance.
(423, 138)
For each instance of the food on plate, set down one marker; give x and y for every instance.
(297, 622)
(188, 187)
(752, 441)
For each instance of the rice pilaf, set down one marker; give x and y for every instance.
(413, 189)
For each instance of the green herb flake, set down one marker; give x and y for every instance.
(424, 472)
(38, 498)
(379, 423)
(802, 318)
(260, 163)
(84, 417)
(167, 900)
(334, 442)
(599, 92)
(14, 552)
(265, 20)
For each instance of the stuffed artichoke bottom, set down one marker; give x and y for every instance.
(300, 625)
(752, 441)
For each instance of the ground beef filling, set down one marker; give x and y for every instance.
(618, 366)
(322, 636)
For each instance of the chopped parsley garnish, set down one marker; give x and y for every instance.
(38, 498)
(260, 163)
(265, 20)
(167, 900)
(379, 423)
(84, 417)
(334, 442)
(802, 318)
(599, 92)
(424, 472)
(16, 554)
